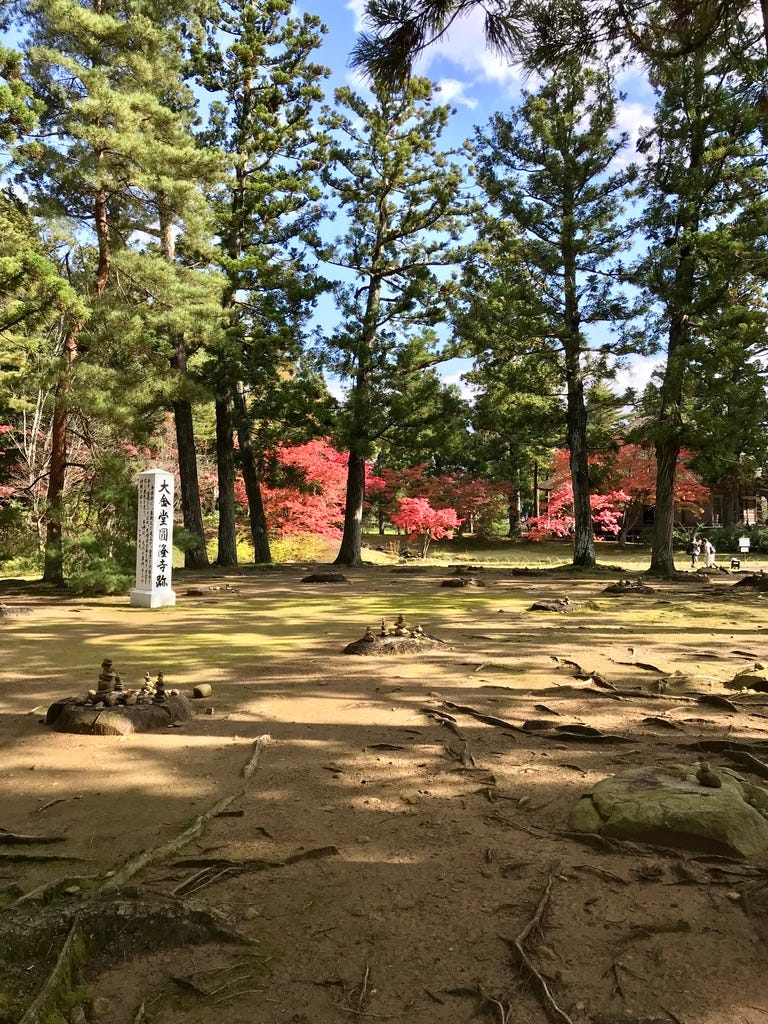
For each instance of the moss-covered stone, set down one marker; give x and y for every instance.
(669, 807)
(755, 678)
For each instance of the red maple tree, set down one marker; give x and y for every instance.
(628, 485)
(418, 519)
(311, 492)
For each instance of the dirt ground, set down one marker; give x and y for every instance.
(383, 862)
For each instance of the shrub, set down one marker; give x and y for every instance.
(97, 577)
(92, 568)
(19, 541)
(302, 547)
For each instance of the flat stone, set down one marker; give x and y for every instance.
(379, 646)
(687, 682)
(66, 716)
(750, 679)
(557, 604)
(669, 807)
(623, 587)
(14, 611)
(755, 581)
(325, 577)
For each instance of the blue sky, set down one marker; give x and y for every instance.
(476, 83)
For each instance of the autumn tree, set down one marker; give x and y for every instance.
(305, 488)
(400, 196)
(418, 519)
(627, 487)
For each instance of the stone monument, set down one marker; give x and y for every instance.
(154, 541)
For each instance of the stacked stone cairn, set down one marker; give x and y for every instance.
(110, 693)
(399, 629)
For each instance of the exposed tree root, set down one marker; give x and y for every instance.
(516, 945)
(99, 914)
(61, 978)
(14, 839)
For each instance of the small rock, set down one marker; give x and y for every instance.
(558, 604)
(98, 1007)
(325, 577)
(77, 1016)
(202, 690)
(209, 710)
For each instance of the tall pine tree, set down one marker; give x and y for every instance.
(549, 171)
(401, 197)
(259, 66)
(704, 219)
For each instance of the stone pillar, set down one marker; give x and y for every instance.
(154, 541)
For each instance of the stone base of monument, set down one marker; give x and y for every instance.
(67, 715)
(163, 597)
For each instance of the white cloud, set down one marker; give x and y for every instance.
(451, 90)
(358, 9)
(631, 117)
(636, 374)
(464, 45)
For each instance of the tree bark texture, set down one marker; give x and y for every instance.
(195, 556)
(101, 221)
(53, 565)
(662, 554)
(256, 513)
(225, 468)
(583, 539)
(350, 552)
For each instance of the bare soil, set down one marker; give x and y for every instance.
(384, 862)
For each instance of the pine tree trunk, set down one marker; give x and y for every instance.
(196, 556)
(256, 514)
(350, 552)
(225, 468)
(576, 419)
(680, 303)
(101, 222)
(514, 511)
(662, 555)
(53, 566)
(536, 494)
